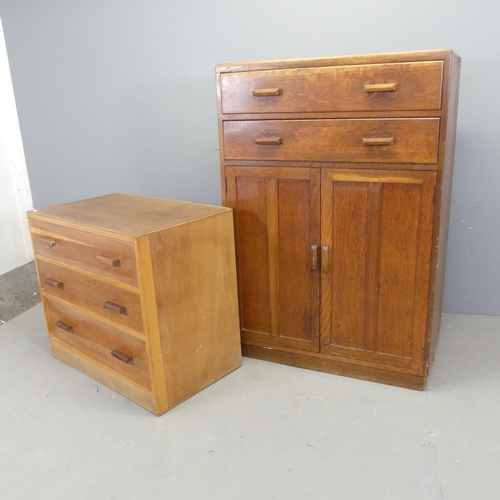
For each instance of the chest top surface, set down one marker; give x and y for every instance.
(127, 214)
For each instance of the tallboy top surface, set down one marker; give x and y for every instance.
(388, 57)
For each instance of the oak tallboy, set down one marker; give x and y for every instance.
(339, 173)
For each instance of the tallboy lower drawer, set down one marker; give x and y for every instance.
(397, 140)
(111, 302)
(110, 346)
(107, 257)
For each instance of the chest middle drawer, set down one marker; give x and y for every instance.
(107, 301)
(107, 257)
(396, 140)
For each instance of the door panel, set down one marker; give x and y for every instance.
(399, 216)
(253, 267)
(350, 218)
(276, 223)
(378, 230)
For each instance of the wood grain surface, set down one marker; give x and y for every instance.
(140, 293)
(378, 132)
(98, 340)
(124, 215)
(379, 232)
(277, 223)
(413, 140)
(85, 250)
(91, 294)
(195, 279)
(370, 87)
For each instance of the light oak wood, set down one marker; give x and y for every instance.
(124, 216)
(173, 333)
(380, 87)
(91, 252)
(198, 314)
(98, 341)
(154, 348)
(378, 132)
(377, 141)
(91, 294)
(103, 374)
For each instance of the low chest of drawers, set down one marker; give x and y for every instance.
(339, 173)
(140, 293)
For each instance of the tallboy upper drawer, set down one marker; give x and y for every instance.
(369, 87)
(104, 256)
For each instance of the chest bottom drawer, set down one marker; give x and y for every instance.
(110, 346)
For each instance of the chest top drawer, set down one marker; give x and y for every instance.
(407, 86)
(397, 140)
(104, 256)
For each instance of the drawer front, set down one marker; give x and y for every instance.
(111, 302)
(104, 256)
(413, 140)
(370, 87)
(112, 347)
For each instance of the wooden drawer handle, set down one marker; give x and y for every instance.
(64, 326)
(269, 141)
(314, 258)
(378, 141)
(110, 261)
(267, 92)
(380, 87)
(122, 356)
(113, 306)
(55, 283)
(325, 261)
(48, 242)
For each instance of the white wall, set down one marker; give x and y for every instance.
(15, 193)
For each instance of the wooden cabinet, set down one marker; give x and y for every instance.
(276, 228)
(339, 174)
(376, 233)
(140, 293)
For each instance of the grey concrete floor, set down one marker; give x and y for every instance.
(18, 291)
(266, 431)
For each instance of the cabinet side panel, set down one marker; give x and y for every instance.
(195, 280)
(443, 202)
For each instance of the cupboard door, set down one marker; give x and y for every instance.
(277, 232)
(376, 229)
